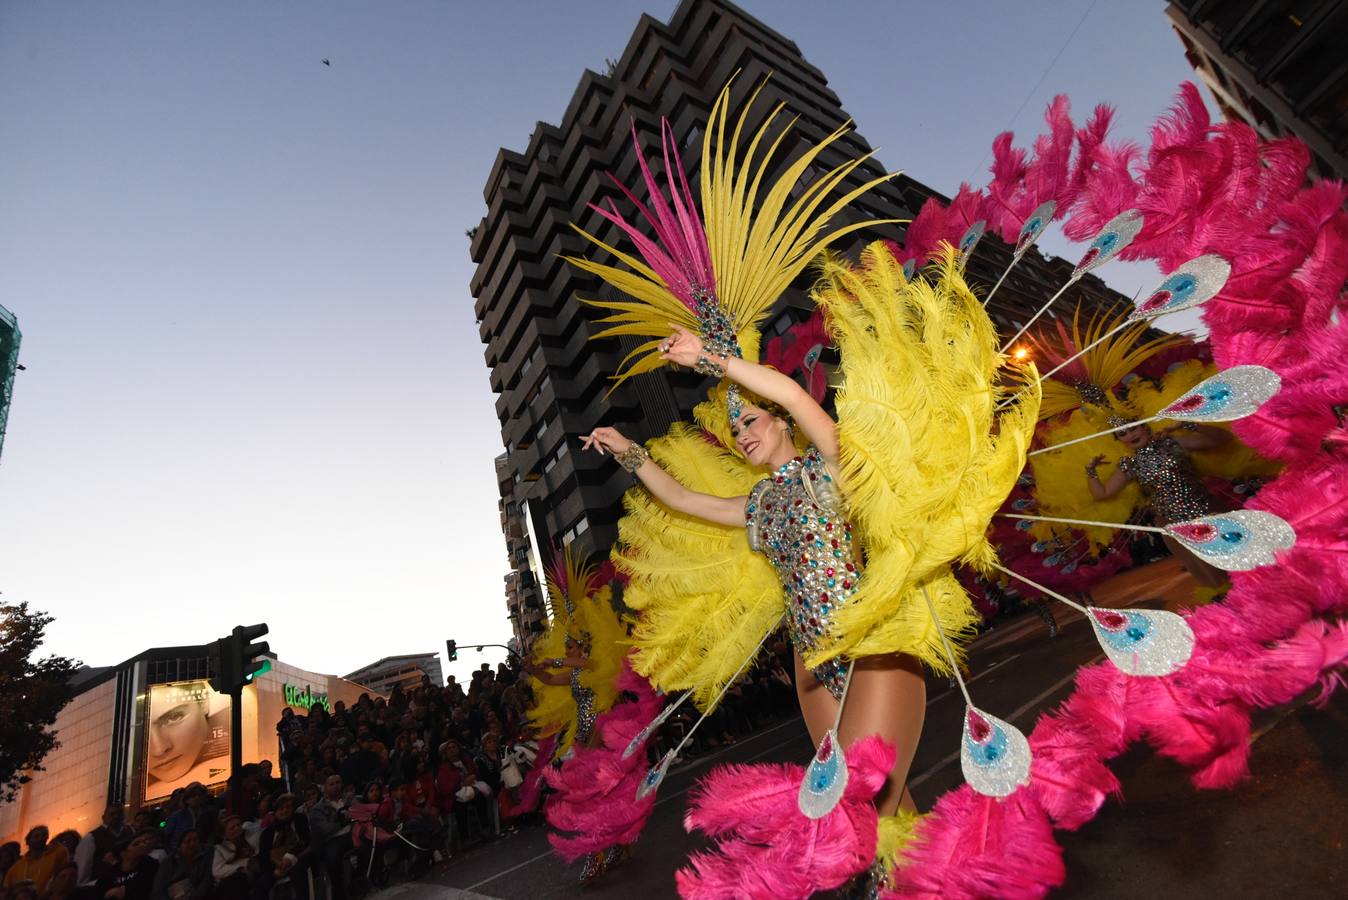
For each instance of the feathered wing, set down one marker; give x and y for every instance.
(925, 460)
(704, 598)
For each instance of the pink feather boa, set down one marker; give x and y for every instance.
(766, 847)
(1203, 189)
(596, 800)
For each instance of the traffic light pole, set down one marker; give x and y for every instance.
(235, 734)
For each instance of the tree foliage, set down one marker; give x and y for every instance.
(32, 692)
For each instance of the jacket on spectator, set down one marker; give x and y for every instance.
(94, 846)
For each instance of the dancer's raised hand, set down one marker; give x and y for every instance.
(682, 347)
(605, 439)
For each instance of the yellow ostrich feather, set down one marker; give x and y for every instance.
(704, 598)
(759, 240)
(1105, 365)
(924, 459)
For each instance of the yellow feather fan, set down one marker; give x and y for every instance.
(925, 461)
(704, 598)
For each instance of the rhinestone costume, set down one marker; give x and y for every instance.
(1166, 475)
(795, 519)
(584, 708)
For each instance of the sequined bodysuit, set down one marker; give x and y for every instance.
(584, 698)
(1163, 470)
(795, 519)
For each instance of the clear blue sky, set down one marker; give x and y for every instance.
(255, 390)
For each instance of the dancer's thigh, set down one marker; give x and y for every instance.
(888, 697)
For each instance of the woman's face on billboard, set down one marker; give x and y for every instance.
(177, 735)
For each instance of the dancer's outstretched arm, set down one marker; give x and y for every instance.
(721, 510)
(685, 348)
(1103, 490)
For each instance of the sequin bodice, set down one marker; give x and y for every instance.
(795, 519)
(585, 713)
(1163, 470)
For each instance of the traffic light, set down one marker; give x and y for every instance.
(238, 658)
(452, 650)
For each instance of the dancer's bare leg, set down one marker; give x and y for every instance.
(817, 705)
(888, 697)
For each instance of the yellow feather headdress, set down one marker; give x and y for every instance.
(720, 281)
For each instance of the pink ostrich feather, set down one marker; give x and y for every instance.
(679, 254)
(923, 235)
(972, 847)
(1019, 186)
(765, 846)
(596, 801)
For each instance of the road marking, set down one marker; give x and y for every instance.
(1020, 711)
(515, 868)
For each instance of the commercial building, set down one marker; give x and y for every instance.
(9, 364)
(1277, 66)
(552, 381)
(137, 731)
(403, 672)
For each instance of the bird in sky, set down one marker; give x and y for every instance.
(327, 63)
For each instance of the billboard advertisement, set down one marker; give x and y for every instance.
(188, 738)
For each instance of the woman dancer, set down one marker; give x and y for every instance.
(887, 695)
(1161, 467)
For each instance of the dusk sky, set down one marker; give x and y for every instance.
(254, 386)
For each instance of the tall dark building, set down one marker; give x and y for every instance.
(552, 382)
(1277, 65)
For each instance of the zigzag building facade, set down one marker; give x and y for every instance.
(552, 381)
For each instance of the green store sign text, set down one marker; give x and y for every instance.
(305, 698)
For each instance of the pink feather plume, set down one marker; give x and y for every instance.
(765, 846)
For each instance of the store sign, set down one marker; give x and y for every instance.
(305, 698)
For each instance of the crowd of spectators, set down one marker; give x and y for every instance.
(381, 790)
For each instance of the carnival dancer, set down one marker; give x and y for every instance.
(1161, 466)
(786, 504)
(577, 682)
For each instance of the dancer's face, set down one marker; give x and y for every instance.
(1136, 438)
(763, 438)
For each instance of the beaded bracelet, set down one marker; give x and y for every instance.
(633, 458)
(706, 365)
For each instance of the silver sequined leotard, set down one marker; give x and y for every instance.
(1163, 470)
(584, 698)
(804, 535)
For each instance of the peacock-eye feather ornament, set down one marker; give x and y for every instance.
(1034, 227)
(909, 269)
(1195, 282)
(994, 755)
(1143, 641)
(825, 778)
(1111, 240)
(1233, 394)
(1137, 641)
(970, 240)
(1235, 541)
(644, 734)
(655, 776)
